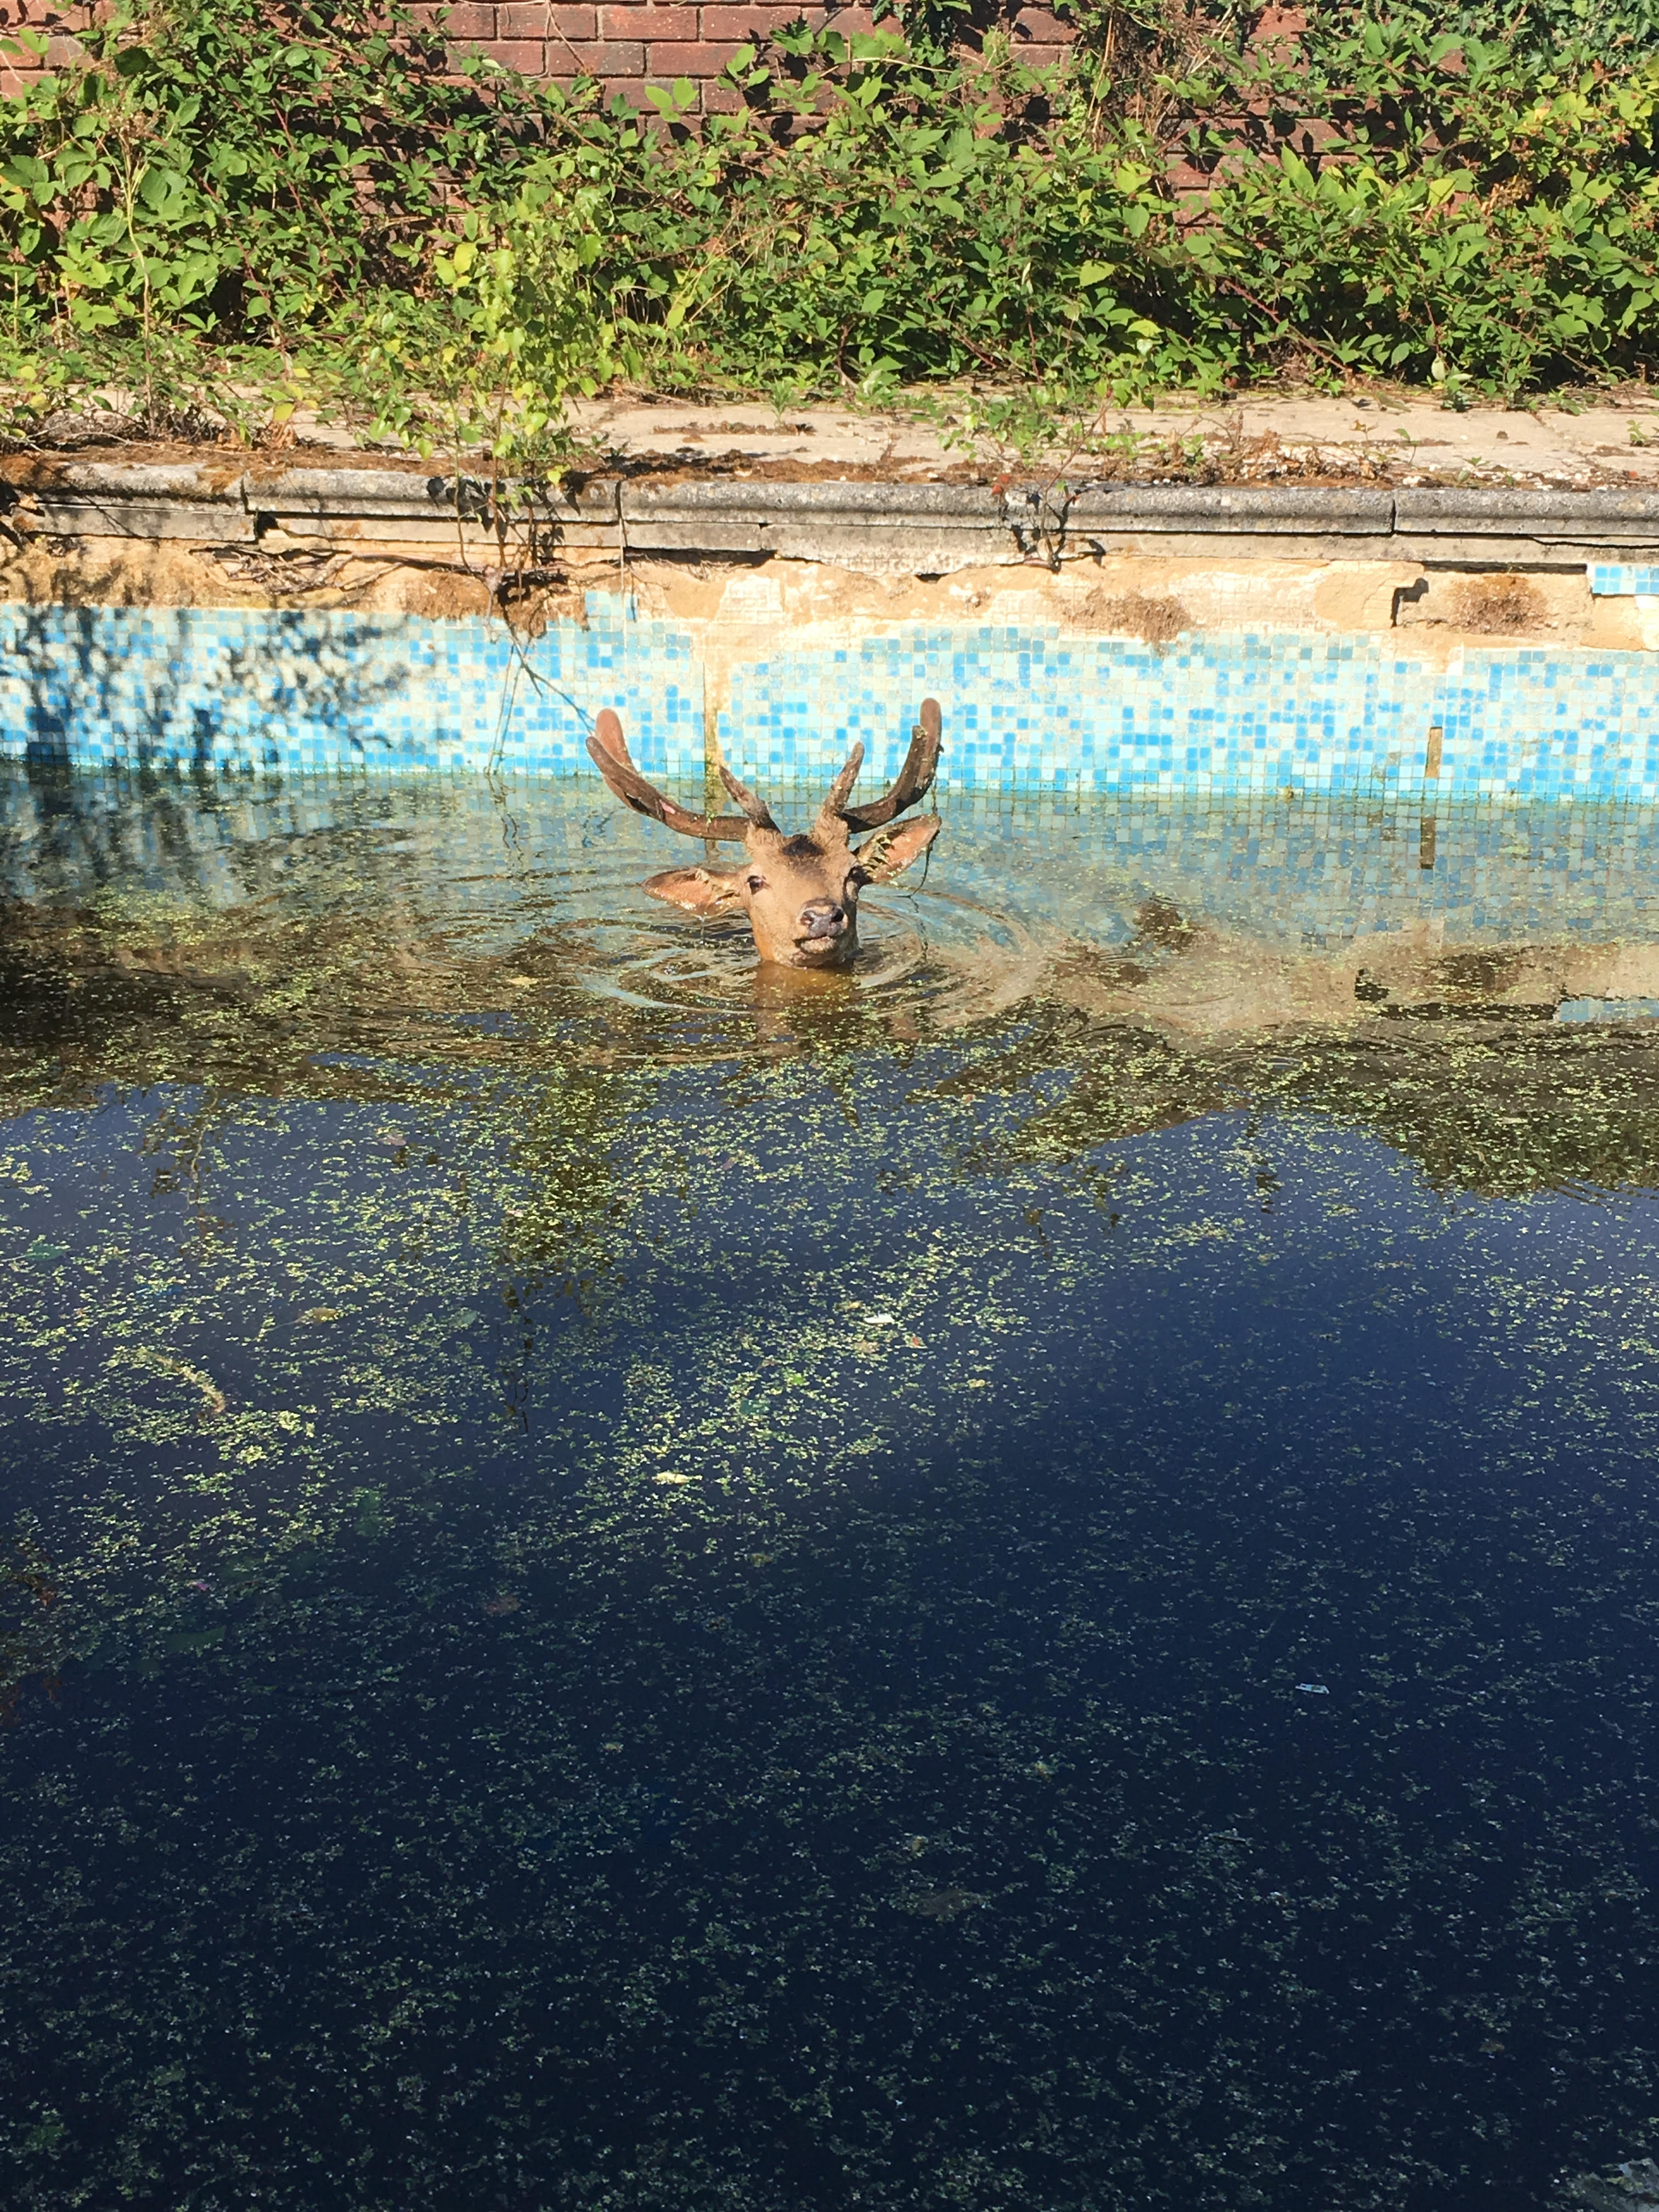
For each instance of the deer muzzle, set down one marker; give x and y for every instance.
(822, 922)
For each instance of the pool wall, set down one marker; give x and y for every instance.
(1031, 699)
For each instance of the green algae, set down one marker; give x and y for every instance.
(619, 1604)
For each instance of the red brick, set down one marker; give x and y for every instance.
(561, 60)
(719, 99)
(608, 57)
(632, 89)
(641, 22)
(849, 21)
(750, 23)
(1037, 27)
(472, 19)
(527, 56)
(534, 19)
(703, 59)
(564, 82)
(1276, 25)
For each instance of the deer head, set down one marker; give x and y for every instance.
(801, 894)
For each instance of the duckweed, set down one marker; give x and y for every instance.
(881, 1601)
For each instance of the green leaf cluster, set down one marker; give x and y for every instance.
(309, 198)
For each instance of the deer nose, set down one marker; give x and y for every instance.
(823, 918)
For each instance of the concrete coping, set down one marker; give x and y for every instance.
(898, 502)
(1512, 510)
(146, 481)
(370, 492)
(1252, 506)
(834, 521)
(310, 491)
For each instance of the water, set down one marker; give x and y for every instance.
(1022, 1582)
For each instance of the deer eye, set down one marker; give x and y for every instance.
(757, 882)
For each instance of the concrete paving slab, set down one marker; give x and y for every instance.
(1253, 440)
(1374, 436)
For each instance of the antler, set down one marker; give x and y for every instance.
(754, 810)
(609, 750)
(913, 782)
(831, 824)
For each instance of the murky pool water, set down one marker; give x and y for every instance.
(1025, 1582)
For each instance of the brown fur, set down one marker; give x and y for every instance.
(800, 893)
(782, 877)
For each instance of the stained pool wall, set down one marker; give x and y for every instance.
(1025, 708)
(1307, 874)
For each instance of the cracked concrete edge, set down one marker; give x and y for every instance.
(1246, 507)
(891, 527)
(1561, 511)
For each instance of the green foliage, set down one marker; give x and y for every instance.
(304, 198)
(255, 165)
(519, 330)
(1469, 217)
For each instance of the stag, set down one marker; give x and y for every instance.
(801, 894)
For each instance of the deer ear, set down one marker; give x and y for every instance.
(890, 852)
(700, 890)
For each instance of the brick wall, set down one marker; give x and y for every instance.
(56, 24)
(625, 44)
(628, 44)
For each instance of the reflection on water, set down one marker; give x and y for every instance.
(1019, 1580)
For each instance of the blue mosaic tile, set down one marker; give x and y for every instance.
(1299, 871)
(1621, 579)
(249, 691)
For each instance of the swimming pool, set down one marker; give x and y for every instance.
(1030, 704)
(1022, 1580)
